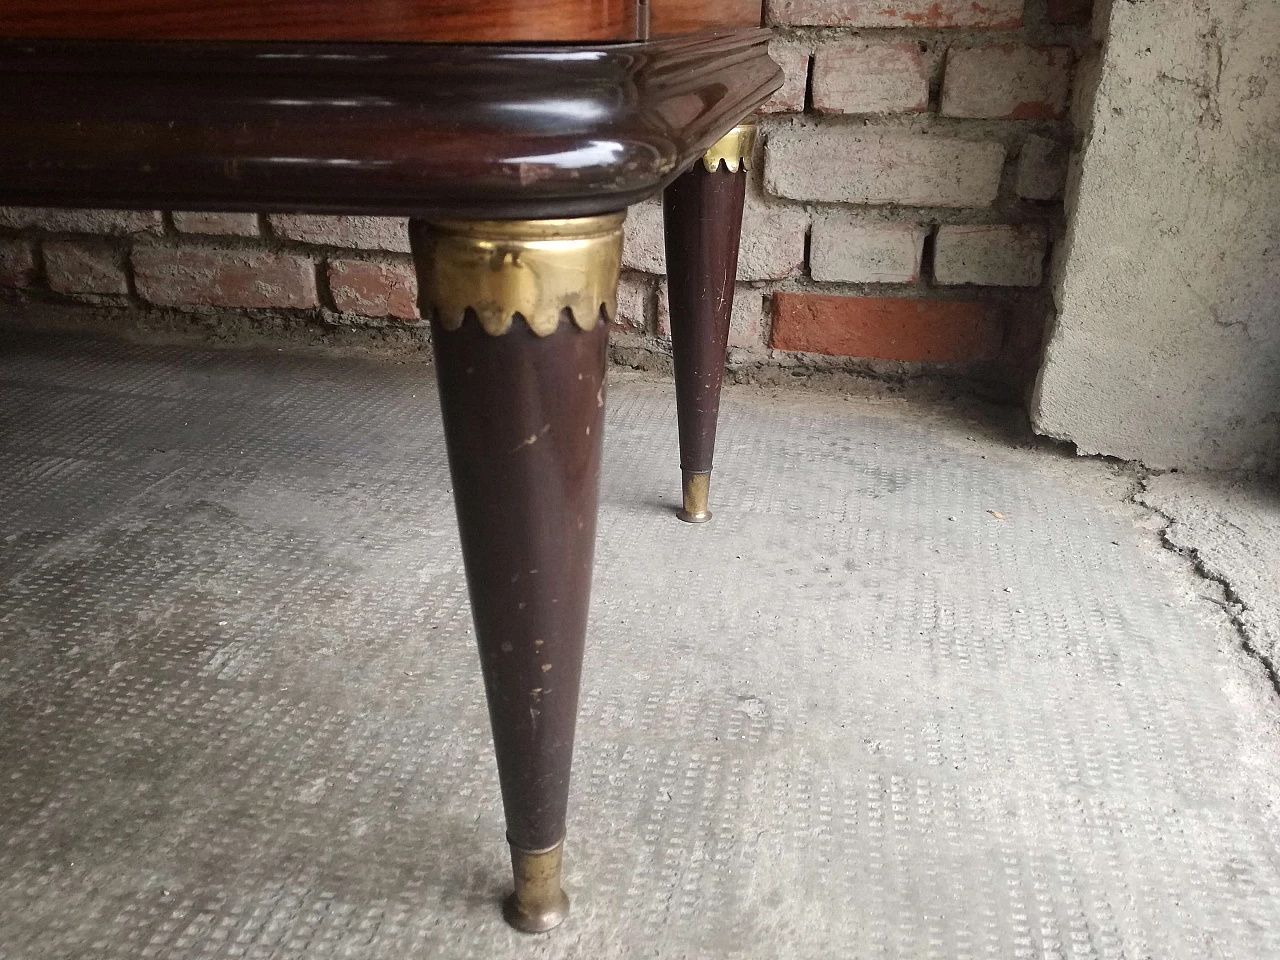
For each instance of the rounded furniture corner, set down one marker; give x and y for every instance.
(556, 130)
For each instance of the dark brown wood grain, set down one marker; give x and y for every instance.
(674, 17)
(527, 520)
(424, 21)
(397, 129)
(702, 214)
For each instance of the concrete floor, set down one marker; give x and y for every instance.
(921, 689)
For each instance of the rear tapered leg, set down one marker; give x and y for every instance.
(520, 335)
(702, 214)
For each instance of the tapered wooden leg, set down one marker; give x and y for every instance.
(520, 334)
(702, 213)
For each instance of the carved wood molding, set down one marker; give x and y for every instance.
(496, 132)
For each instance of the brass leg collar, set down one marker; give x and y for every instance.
(535, 269)
(697, 490)
(734, 148)
(538, 903)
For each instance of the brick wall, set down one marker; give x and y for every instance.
(902, 207)
(908, 191)
(347, 269)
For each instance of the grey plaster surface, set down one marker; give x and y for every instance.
(1166, 347)
(919, 690)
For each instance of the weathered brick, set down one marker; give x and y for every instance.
(932, 331)
(634, 293)
(993, 255)
(217, 224)
(793, 58)
(772, 245)
(853, 251)
(1075, 12)
(84, 266)
(643, 247)
(992, 14)
(360, 233)
(17, 263)
(1006, 82)
(109, 222)
(175, 276)
(1042, 168)
(746, 317)
(870, 78)
(374, 289)
(920, 170)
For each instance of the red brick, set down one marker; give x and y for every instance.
(1006, 82)
(1075, 12)
(870, 78)
(196, 276)
(84, 266)
(374, 289)
(933, 331)
(217, 224)
(360, 233)
(17, 263)
(111, 222)
(992, 14)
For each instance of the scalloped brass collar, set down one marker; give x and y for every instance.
(734, 149)
(536, 269)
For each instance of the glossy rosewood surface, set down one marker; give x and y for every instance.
(435, 21)
(422, 21)
(674, 17)
(406, 129)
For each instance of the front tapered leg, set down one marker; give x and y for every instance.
(519, 314)
(702, 214)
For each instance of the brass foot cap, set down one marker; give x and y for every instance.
(545, 918)
(687, 517)
(696, 488)
(539, 903)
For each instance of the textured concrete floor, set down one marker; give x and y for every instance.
(858, 715)
(1230, 527)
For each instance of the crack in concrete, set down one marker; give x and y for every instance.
(1233, 605)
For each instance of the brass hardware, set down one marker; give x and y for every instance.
(734, 148)
(538, 903)
(537, 269)
(697, 489)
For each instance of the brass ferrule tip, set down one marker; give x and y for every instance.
(538, 903)
(697, 490)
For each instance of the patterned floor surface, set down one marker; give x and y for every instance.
(916, 692)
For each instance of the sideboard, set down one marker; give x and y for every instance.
(514, 134)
